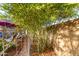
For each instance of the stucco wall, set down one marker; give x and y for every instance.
(66, 38)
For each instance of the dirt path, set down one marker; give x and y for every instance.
(47, 53)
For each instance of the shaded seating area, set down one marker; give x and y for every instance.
(12, 39)
(7, 32)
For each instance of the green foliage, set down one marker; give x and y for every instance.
(33, 16)
(1, 47)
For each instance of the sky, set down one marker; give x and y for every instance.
(2, 12)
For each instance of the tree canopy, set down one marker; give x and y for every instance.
(33, 16)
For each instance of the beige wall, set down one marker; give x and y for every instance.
(66, 40)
